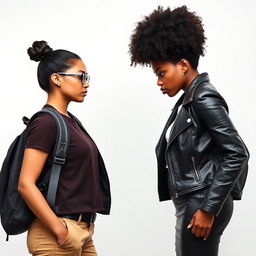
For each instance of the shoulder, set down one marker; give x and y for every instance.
(41, 133)
(206, 95)
(44, 122)
(206, 89)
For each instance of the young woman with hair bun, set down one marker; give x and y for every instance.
(83, 188)
(202, 161)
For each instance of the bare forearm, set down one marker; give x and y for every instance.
(40, 207)
(33, 163)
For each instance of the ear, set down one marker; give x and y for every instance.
(184, 65)
(55, 79)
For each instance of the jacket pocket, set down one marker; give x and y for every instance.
(194, 168)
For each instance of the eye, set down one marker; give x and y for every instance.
(160, 74)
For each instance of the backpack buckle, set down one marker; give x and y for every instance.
(59, 160)
(25, 120)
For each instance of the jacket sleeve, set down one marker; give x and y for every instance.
(212, 109)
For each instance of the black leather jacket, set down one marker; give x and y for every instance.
(204, 149)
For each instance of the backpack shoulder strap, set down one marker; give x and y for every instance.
(60, 152)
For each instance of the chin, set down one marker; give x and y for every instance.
(78, 99)
(171, 94)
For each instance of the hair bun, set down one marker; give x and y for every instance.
(38, 50)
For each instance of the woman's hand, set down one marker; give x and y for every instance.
(61, 235)
(201, 223)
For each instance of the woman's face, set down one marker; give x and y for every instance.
(71, 86)
(170, 77)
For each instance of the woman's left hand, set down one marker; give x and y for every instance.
(201, 223)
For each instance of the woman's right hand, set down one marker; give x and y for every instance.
(201, 223)
(62, 235)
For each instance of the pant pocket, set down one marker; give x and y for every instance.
(75, 238)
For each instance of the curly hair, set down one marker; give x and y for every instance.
(168, 35)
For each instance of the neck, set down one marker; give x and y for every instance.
(58, 103)
(191, 75)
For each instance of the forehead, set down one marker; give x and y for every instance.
(78, 65)
(156, 65)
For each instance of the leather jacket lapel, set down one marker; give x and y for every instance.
(162, 142)
(182, 122)
(183, 119)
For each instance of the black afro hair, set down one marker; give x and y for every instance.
(168, 35)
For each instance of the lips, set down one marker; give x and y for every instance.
(164, 91)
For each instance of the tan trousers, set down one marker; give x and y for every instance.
(42, 242)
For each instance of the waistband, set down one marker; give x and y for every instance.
(84, 217)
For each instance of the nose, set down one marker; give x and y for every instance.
(86, 84)
(159, 82)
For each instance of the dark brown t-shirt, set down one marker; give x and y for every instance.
(79, 185)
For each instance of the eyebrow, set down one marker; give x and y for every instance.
(82, 71)
(157, 69)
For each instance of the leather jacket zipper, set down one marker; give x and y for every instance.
(194, 166)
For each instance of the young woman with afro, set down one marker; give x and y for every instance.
(202, 161)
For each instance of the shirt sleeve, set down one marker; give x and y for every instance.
(41, 133)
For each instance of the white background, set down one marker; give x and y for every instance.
(125, 111)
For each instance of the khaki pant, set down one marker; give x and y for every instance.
(42, 242)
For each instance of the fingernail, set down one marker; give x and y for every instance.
(204, 239)
(189, 226)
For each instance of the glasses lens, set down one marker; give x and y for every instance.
(85, 78)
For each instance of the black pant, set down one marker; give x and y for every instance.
(186, 243)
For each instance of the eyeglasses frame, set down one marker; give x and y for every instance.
(84, 77)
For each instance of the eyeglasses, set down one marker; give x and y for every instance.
(84, 77)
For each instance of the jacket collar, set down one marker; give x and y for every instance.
(189, 95)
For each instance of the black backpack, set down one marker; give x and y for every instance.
(15, 214)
